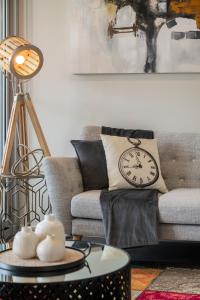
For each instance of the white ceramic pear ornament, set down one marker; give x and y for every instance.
(50, 249)
(50, 226)
(25, 243)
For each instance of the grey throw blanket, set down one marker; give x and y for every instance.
(130, 216)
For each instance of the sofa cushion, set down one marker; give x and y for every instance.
(133, 163)
(87, 205)
(92, 162)
(180, 206)
(179, 152)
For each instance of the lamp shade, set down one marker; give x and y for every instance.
(20, 57)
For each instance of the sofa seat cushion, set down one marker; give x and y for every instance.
(180, 206)
(87, 205)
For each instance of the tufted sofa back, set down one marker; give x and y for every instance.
(179, 156)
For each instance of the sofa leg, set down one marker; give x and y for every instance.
(77, 237)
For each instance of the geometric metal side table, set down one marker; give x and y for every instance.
(23, 200)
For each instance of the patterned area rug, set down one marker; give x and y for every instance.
(165, 284)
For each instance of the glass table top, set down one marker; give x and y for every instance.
(102, 260)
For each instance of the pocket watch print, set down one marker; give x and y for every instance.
(137, 166)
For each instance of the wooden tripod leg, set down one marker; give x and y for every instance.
(23, 137)
(10, 134)
(36, 125)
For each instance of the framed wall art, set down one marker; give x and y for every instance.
(136, 36)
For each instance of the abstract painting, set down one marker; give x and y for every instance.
(136, 36)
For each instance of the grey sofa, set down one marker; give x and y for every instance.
(179, 209)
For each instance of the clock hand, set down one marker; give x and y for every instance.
(139, 162)
(134, 166)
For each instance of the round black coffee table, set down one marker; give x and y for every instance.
(106, 275)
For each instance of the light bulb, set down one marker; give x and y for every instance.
(20, 59)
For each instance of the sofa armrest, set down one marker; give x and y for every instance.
(63, 180)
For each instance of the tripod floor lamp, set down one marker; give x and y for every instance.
(23, 61)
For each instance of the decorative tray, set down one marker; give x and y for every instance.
(73, 259)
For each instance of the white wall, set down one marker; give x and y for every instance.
(66, 102)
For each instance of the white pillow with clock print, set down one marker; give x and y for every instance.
(133, 163)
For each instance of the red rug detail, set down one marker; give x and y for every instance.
(154, 295)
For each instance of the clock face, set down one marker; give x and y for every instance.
(138, 167)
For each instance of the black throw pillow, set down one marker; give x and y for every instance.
(92, 162)
(131, 133)
(92, 159)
